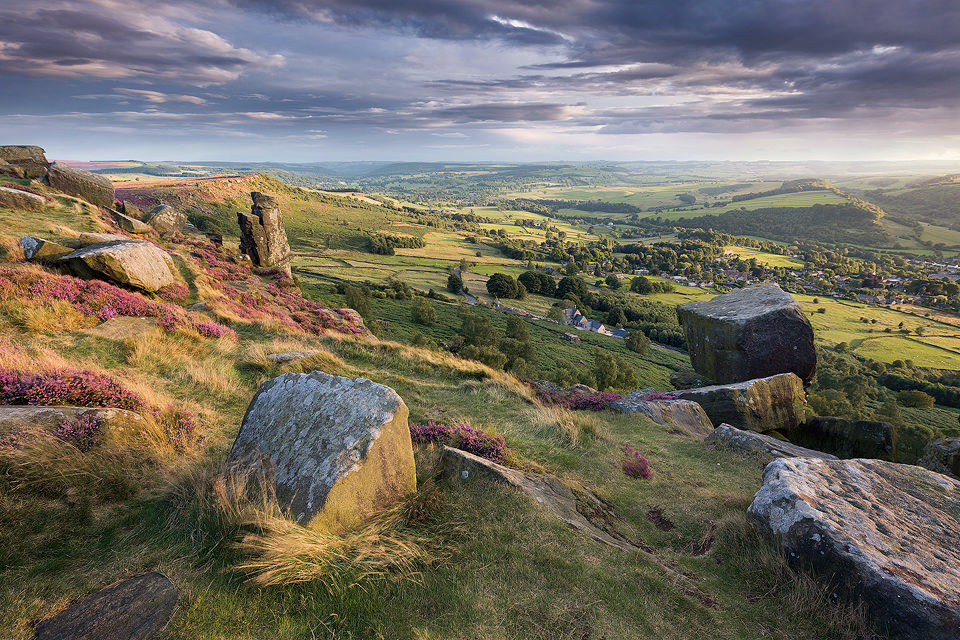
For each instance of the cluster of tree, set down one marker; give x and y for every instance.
(383, 244)
(609, 371)
(503, 285)
(670, 256)
(947, 395)
(549, 207)
(538, 282)
(479, 340)
(646, 286)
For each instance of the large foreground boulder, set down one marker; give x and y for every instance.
(848, 438)
(760, 443)
(135, 609)
(886, 533)
(91, 187)
(338, 449)
(41, 250)
(27, 161)
(165, 220)
(688, 416)
(776, 403)
(262, 236)
(750, 333)
(136, 264)
(942, 456)
(22, 200)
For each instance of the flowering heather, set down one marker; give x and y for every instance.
(70, 387)
(461, 436)
(175, 292)
(595, 401)
(19, 187)
(82, 432)
(659, 395)
(213, 330)
(635, 465)
(180, 426)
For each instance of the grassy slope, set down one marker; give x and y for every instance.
(506, 569)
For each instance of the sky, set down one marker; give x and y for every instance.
(482, 80)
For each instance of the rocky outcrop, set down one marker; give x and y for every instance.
(688, 416)
(548, 491)
(165, 220)
(262, 236)
(22, 200)
(91, 187)
(135, 609)
(750, 333)
(41, 250)
(86, 239)
(15, 419)
(885, 533)
(27, 161)
(848, 438)
(942, 456)
(688, 379)
(337, 449)
(129, 224)
(136, 264)
(760, 443)
(776, 403)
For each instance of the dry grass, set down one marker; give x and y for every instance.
(569, 427)
(10, 249)
(55, 316)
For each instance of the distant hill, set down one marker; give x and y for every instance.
(935, 201)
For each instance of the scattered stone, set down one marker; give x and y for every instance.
(262, 236)
(135, 609)
(27, 161)
(22, 200)
(17, 418)
(124, 327)
(338, 449)
(165, 219)
(42, 250)
(198, 306)
(291, 356)
(750, 333)
(685, 414)
(942, 456)
(130, 225)
(91, 187)
(549, 491)
(762, 443)
(766, 404)
(848, 438)
(137, 264)
(886, 533)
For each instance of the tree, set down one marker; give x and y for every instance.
(638, 342)
(454, 283)
(477, 330)
(610, 372)
(571, 284)
(422, 312)
(357, 299)
(502, 285)
(616, 318)
(517, 329)
(571, 268)
(641, 285)
(915, 398)
(531, 280)
(613, 282)
(548, 286)
(555, 313)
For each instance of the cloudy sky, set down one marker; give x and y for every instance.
(326, 80)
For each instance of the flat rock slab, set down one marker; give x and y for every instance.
(291, 356)
(135, 609)
(130, 224)
(848, 438)
(776, 403)
(942, 456)
(760, 443)
(23, 200)
(749, 333)
(42, 250)
(548, 491)
(686, 414)
(17, 418)
(93, 188)
(124, 327)
(86, 239)
(136, 264)
(885, 532)
(338, 449)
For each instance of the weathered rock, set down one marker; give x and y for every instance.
(687, 415)
(165, 219)
(27, 161)
(338, 449)
(549, 491)
(291, 356)
(942, 456)
(750, 333)
(688, 379)
(86, 239)
(135, 609)
(16, 419)
(42, 250)
(766, 404)
(123, 328)
(91, 187)
(848, 438)
(130, 210)
(22, 200)
(885, 532)
(130, 225)
(262, 236)
(198, 306)
(137, 264)
(760, 443)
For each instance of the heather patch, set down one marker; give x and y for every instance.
(180, 427)
(461, 436)
(634, 464)
(591, 401)
(66, 387)
(83, 432)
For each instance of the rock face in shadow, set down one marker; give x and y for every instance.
(687, 415)
(25, 160)
(136, 264)
(93, 188)
(776, 403)
(760, 443)
(942, 456)
(262, 236)
(337, 449)
(884, 532)
(747, 334)
(848, 438)
(135, 609)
